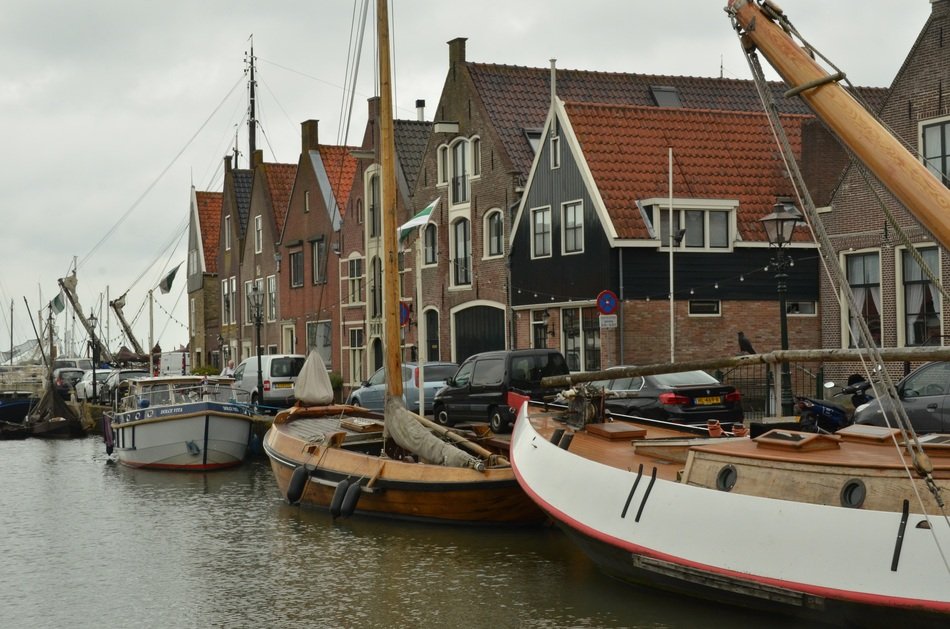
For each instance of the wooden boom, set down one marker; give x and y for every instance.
(900, 171)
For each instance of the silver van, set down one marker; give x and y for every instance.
(280, 372)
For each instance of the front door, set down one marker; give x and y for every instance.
(478, 329)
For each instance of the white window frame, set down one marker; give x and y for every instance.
(453, 254)
(845, 309)
(355, 284)
(356, 338)
(900, 292)
(661, 213)
(550, 237)
(295, 282)
(258, 234)
(306, 201)
(717, 314)
(227, 232)
(475, 144)
(272, 298)
(320, 337)
(442, 165)
(430, 256)
(579, 203)
(555, 153)
(318, 261)
(459, 150)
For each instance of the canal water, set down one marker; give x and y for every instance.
(89, 543)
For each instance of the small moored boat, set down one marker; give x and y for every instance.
(180, 423)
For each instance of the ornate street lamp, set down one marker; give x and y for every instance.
(779, 226)
(257, 300)
(95, 351)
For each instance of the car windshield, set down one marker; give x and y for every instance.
(438, 373)
(684, 378)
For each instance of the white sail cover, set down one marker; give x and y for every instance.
(416, 438)
(312, 387)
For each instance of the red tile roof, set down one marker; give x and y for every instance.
(280, 183)
(341, 168)
(209, 220)
(716, 155)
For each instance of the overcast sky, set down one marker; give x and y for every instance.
(113, 108)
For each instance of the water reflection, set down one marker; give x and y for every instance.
(89, 542)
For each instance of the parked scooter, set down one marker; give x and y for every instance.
(827, 416)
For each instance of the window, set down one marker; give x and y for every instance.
(272, 298)
(227, 232)
(374, 209)
(249, 308)
(319, 251)
(936, 149)
(541, 232)
(476, 157)
(921, 305)
(495, 231)
(864, 277)
(801, 308)
(306, 201)
(192, 261)
(539, 328)
(443, 165)
(356, 354)
(296, 269)
(573, 225)
(704, 308)
(320, 338)
(430, 237)
(533, 136)
(225, 302)
(232, 301)
(460, 172)
(355, 280)
(258, 234)
(555, 152)
(192, 320)
(432, 335)
(462, 267)
(376, 289)
(580, 330)
(705, 229)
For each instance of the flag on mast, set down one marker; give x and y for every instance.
(166, 284)
(421, 218)
(58, 305)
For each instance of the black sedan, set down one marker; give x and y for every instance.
(687, 397)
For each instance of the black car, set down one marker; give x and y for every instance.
(925, 396)
(686, 397)
(479, 389)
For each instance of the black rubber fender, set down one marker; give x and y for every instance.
(350, 499)
(336, 503)
(298, 481)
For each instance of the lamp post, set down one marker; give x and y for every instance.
(257, 300)
(779, 226)
(95, 351)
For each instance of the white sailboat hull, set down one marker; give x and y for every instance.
(809, 559)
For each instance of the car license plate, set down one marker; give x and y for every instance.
(715, 399)
(284, 385)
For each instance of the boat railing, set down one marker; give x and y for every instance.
(166, 394)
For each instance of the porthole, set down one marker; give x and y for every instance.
(726, 479)
(853, 494)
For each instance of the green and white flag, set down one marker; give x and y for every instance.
(166, 284)
(421, 218)
(58, 305)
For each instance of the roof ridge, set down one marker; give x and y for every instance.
(663, 110)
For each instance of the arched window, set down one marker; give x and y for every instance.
(431, 243)
(462, 262)
(460, 172)
(494, 234)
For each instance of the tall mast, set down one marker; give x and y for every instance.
(387, 151)
(252, 101)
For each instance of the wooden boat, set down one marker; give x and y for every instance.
(180, 423)
(848, 528)
(353, 461)
(16, 405)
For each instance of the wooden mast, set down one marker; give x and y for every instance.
(903, 174)
(387, 151)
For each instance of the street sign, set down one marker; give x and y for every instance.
(608, 321)
(607, 302)
(403, 313)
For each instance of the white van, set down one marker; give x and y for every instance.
(280, 372)
(174, 364)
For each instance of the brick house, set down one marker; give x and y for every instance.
(308, 273)
(235, 208)
(595, 216)
(204, 304)
(269, 199)
(360, 256)
(901, 304)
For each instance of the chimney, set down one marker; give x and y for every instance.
(227, 163)
(553, 80)
(257, 159)
(372, 108)
(457, 50)
(309, 138)
(420, 110)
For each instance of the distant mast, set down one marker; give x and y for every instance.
(251, 119)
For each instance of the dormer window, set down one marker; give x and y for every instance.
(665, 96)
(698, 224)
